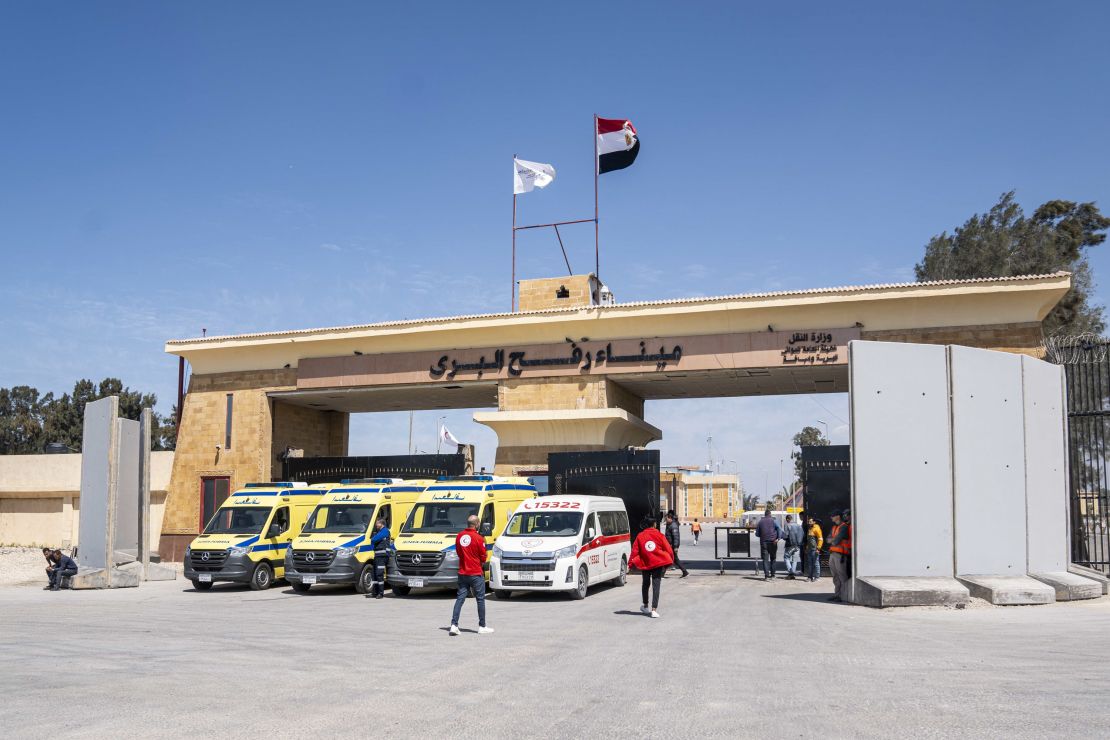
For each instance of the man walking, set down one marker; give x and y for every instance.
(769, 534)
(814, 542)
(471, 549)
(793, 536)
(696, 529)
(840, 548)
(674, 539)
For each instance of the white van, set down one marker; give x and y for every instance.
(562, 543)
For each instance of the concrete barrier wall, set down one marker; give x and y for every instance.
(901, 460)
(959, 462)
(988, 461)
(1046, 467)
(97, 462)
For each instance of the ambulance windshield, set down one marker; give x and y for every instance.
(439, 518)
(238, 520)
(340, 518)
(544, 524)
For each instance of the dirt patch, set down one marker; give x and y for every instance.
(22, 566)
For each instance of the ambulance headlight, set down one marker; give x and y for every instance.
(236, 551)
(345, 551)
(566, 552)
(497, 551)
(451, 555)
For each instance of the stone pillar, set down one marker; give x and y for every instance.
(261, 429)
(539, 416)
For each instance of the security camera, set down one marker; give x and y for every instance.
(219, 447)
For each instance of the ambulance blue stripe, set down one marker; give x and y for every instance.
(399, 489)
(358, 490)
(354, 542)
(264, 548)
(457, 488)
(489, 546)
(251, 541)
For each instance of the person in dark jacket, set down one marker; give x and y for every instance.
(795, 537)
(769, 534)
(64, 567)
(674, 539)
(651, 554)
(380, 542)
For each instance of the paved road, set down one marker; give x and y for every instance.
(163, 661)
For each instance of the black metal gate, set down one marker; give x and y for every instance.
(631, 475)
(335, 469)
(1086, 362)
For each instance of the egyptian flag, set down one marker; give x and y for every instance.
(617, 144)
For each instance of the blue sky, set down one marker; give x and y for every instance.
(253, 166)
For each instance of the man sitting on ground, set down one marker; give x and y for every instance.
(63, 567)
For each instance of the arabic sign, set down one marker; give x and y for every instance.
(585, 360)
(811, 348)
(585, 357)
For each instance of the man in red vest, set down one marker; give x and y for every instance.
(471, 549)
(651, 553)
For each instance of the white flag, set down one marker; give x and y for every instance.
(528, 175)
(446, 436)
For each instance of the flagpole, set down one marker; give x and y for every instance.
(597, 253)
(512, 287)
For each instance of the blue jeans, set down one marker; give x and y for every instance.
(813, 562)
(768, 553)
(478, 583)
(792, 560)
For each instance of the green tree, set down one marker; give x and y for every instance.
(808, 437)
(1004, 242)
(28, 421)
(21, 414)
(751, 501)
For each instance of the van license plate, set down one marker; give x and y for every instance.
(204, 577)
(416, 583)
(526, 575)
(308, 579)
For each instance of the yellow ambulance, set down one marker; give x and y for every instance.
(425, 555)
(334, 546)
(246, 539)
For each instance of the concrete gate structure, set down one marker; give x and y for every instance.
(564, 373)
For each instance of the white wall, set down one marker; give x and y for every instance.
(1046, 466)
(901, 460)
(959, 462)
(988, 461)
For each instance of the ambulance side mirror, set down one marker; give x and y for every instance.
(592, 533)
(486, 530)
(275, 530)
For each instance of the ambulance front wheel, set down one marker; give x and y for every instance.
(623, 577)
(262, 577)
(365, 580)
(583, 586)
(401, 590)
(202, 585)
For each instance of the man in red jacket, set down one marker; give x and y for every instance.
(471, 549)
(651, 553)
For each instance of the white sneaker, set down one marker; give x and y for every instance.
(654, 614)
(485, 630)
(454, 630)
(645, 610)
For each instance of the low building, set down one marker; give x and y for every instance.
(40, 499)
(696, 493)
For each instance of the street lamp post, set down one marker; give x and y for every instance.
(826, 429)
